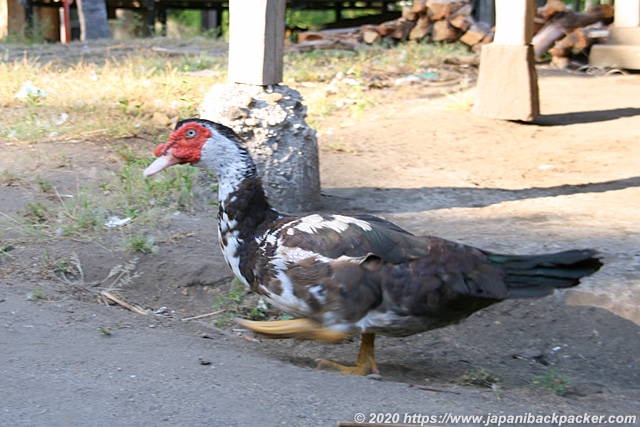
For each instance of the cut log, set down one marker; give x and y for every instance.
(403, 30)
(538, 23)
(342, 33)
(309, 36)
(442, 9)
(370, 36)
(438, 9)
(551, 8)
(461, 22)
(409, 14)
(422, 29)
(546, 37)
(571, 21)
(462, 19)
(456, 5)
(476, 33)
(444, 32)
(564, 23)
(607, 13)
(488, 39)
(324, 44)
(572, 44)
(388, 27)
(419, 7)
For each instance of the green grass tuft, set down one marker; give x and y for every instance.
(552, 381)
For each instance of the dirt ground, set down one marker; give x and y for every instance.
(571, 179)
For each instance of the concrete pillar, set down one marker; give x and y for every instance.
(507, 82)
(623, 46)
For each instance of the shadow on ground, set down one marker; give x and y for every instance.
(582, 117)
(403, 200)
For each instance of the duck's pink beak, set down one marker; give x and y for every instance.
(161, 163)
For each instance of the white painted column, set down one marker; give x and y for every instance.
(627, 14)
(256, 41)
(623, 46)
(514, 23)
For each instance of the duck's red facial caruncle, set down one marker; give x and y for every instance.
(184, 146)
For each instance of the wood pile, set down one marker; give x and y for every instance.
(566, 34)
(452, 20)
(431, 20)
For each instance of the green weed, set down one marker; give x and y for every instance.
(81, 215)
(108, 330)
(35, 213)
(231, 302)
(5, 249)
(142, 242)
(552, 381)
(44, 186)
(38, 294)
(105, 330)
(257, 314)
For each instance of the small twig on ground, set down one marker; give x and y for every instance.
(9, 218)
(122, 303)
(437, 390)
(75, 239)
(202, 316)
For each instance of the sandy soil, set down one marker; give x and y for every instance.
(571, 179)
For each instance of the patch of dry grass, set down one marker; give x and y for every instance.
(114, 89)
(140, 93)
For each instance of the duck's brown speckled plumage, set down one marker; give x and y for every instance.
(347, 275)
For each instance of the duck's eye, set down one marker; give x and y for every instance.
(191, 133)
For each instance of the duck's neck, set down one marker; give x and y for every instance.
(244, 214)
(244, 211)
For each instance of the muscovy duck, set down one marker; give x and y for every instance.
(346, 275)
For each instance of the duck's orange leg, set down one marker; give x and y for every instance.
(365, 362)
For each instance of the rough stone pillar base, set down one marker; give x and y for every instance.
(507, 83)
(284, 147)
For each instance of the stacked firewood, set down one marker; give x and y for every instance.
(430, 20)
(437, 20)
(559, 30)
(566, 34)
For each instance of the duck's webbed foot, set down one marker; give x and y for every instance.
(365, 362)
